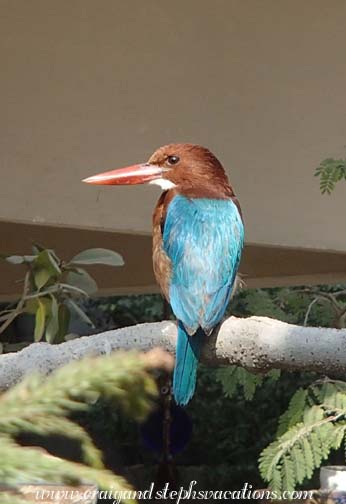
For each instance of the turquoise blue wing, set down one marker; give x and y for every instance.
(203, 239)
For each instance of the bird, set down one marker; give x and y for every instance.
(198, 237)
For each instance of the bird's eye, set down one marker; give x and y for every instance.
(172, 160)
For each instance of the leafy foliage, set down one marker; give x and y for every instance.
(52, 288)
(310, 418)
(232, 377)
(330, 172)
(313, 426)
(294, 304)
(295, 411)
(44, 407)
(236, 430)
(114, 312)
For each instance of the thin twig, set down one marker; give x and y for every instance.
(309, 310)
(19, 308)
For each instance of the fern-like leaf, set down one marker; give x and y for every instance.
(289, 476)
(296, 453)
(330, 171)
(337, 436)
(295, 411)
(309, 463)
(313, 415)
(298, 460)
(234, 377)
(313, 425)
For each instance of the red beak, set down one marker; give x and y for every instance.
(136, 174)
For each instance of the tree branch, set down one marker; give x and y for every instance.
(256, 343)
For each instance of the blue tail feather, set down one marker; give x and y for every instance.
(186, 363)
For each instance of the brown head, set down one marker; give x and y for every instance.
(190, 169)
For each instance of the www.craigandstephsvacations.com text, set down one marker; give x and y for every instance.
(179, 495)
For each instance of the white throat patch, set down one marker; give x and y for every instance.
(163, 183)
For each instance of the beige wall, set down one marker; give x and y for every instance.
(88, 85)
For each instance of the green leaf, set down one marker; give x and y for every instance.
(81, 279)
(295, 411)
(37, 248)
(328, 393)
(308, 457)
(249, 381)
(45, 267)
(226, 376)
(313, 425)
(98, 256)
(299, 463)
(64, 322)
(40, 320)
(273, 374)
(316, 448)
(297, 453)
(313, 414)
(53, 321)
(288, 472)
(79, 312)
(330, 172)
(47, 259)
(233, 376)
(276, 480)
(31, 306)
(41, 277)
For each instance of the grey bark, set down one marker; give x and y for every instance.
(256, 343)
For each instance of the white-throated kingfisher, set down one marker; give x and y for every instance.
(198, 237)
